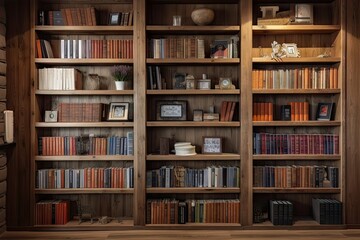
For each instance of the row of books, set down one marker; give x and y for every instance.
(43, 49)
(225, 48)
(60, 79)
(299, 111)
(72, 17)
(263, 111)
(296, 176)
(212, 176)
(80, 112)
(49, 212)
(296, 78)
(268, 143)
(96, 48)
(166, 211)
(154, 77)
(281, 212)
(91, 145)
(176, 48)
(227, 111)
(111, 177)
(327, 211)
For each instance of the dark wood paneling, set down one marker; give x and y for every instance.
(18, 95)
(353, 114)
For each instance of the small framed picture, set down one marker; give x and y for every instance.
(219, 49)
(291, 50)
(114, 18)
(324, 111)
(50, 116)
(119, 111)
(225, 83)
(179, 81)
(198, 115)
(171, 110)
(204, 84)
(212, 145)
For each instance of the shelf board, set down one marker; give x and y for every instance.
(192, 190)
(296, 91)
(194, 226)
(295, 29)
(193, 92)
(82, 61)
(303, 60)
(272, 157)
(93, 30)
(296, 123)
(191, 124)
(84, 92)
(83, 124)
(85, 191)
(74, 225)
(85, 158)
(168, 61)
(299, 223)
(193, 29)
(197, 157)
(295, 190)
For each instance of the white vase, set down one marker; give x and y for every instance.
(120, 85)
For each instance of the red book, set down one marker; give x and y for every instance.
(232, 111)
(227, 113)
(262, 111)
(223, 110)
(297, 111)
(271, 111)
(301, 111)
(266, 111)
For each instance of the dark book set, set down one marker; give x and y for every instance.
(281, 212)
(327, 211)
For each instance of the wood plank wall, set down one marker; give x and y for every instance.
(18, 39)
(352, 113)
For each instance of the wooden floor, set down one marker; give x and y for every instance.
(193, 234)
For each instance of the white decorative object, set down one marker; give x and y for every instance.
(120, 85)
(203, 16)
(184, 149)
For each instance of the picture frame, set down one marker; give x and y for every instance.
(198, 115)
(212, 145)
(325, 111)
(304, 13)
(204, 84)
(118, 111)
(219, 49)
(179, 81)
(114, 18)
(51, 116)
(291, 50)
(171, 110)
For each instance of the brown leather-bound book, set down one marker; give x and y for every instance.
(336, 78)
(332, 77)
(306, 111)
(301, 111)
(254, 111)
(227, 113)
(38, 48)
(266, 111)
(223, 110)
(233, 105)
(262, 111)
(297, 111)
(271, 111)
(306, 78)
(253, 77)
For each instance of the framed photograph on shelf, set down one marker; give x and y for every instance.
(219, 49)
(171, 110)
(325, 111)
(114, 18)
(119, 111)
(291, 50)
(212, 145)
(198, 115)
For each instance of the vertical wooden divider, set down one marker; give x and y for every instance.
(140, 144)
(246, 113)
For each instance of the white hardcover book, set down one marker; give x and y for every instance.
(69, 48)
(9, 126)
(80, 48)
(41, 79)
(75, 49)
(62, 48)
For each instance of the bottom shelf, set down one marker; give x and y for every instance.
(299, 223)
(195, 226)
(74, 225)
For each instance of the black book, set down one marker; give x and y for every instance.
(182, 212)
(285, 112)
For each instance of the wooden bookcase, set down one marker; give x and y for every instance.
(233, 17)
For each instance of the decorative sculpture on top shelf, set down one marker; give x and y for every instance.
(280, 51)
(203, 16)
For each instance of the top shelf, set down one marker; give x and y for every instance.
(193, 29)
(302, 60)
(295, 29)
(93, 30)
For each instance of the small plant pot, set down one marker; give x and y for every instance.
(120, 85)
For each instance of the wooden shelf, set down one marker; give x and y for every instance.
(194, 226)
(193, 92)
(85, 191)
(296, 123)
(295, 29)
(272, 157)
(74, 225)
(82, 61)
(193, 29)
(299, 223)
(295, 190)
(191, 124)
(197, 157)
(85, 158)
(83, 124)
(84, 92)
(301, 60)
(192, 190)
(93, 30)
(187, 61)
(296, 91)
